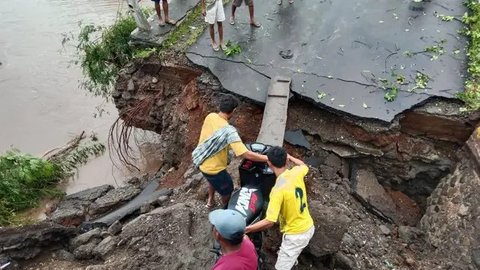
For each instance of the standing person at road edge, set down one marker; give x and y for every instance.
(213, 12)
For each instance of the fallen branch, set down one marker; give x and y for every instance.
(58, 153)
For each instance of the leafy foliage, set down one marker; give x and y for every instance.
(232, 49)
(391, 94)
(421, 80)
(103, 51)
(471, 95)
(25, 179)
(79, 156)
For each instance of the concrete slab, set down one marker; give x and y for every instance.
(342, 53)
(149, 195)
(177, 11)
(296, 137)
(274, 119)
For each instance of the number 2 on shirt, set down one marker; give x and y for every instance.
(299, 194)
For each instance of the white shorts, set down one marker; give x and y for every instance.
(292, 246)
(215, 13)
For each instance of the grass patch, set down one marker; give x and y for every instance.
(187, 33)
(471, 95)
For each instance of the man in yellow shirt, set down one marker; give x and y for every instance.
(288, 205)
(213, 165)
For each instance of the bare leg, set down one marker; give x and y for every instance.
(251, 10)
(212, 33)
(165, 10)
(220, 32)
(225, 200)
(234, 8)
(211, 194)
(232, 18)
(157, 9)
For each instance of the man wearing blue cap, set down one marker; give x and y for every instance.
(229, 230)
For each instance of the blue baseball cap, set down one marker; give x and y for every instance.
(230, 224)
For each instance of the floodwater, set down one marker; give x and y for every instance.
(41, 104)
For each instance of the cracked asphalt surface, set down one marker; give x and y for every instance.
(344, 55)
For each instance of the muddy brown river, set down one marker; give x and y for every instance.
(41, 103)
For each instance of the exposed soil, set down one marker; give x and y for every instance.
(172, 97)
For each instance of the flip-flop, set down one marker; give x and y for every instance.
(223, 47)
(256, 24)
(161, 23)
(279, 2)
(209, 206)
(172, 22)
(232, 20)
(215, 47)
(290, 1)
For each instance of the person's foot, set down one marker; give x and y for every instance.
(161, 23)
(290, 1)
(223, 46)
(279, 2)
(255, 24)
(210, 204)
(232, 20)
(215, 47)
(170, 21)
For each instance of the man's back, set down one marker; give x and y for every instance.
(243, 259)
(217, 162)
(288, 202)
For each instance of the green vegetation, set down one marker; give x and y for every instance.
(391, 88)
(443, 17)
(232, 49)
(446, 18)
(187, 33)
(25, 179)
(103, 51)
(321, 94)
(421, 81)
(436, 50)
(392, 93)
(471, 95)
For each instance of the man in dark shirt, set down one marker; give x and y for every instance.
(229, 230)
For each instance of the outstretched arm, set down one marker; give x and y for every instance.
(295, 161)
(254, 156)
(259, 226)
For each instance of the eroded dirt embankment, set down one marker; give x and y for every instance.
(408, 156)
(391, 169)
(369, 186)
